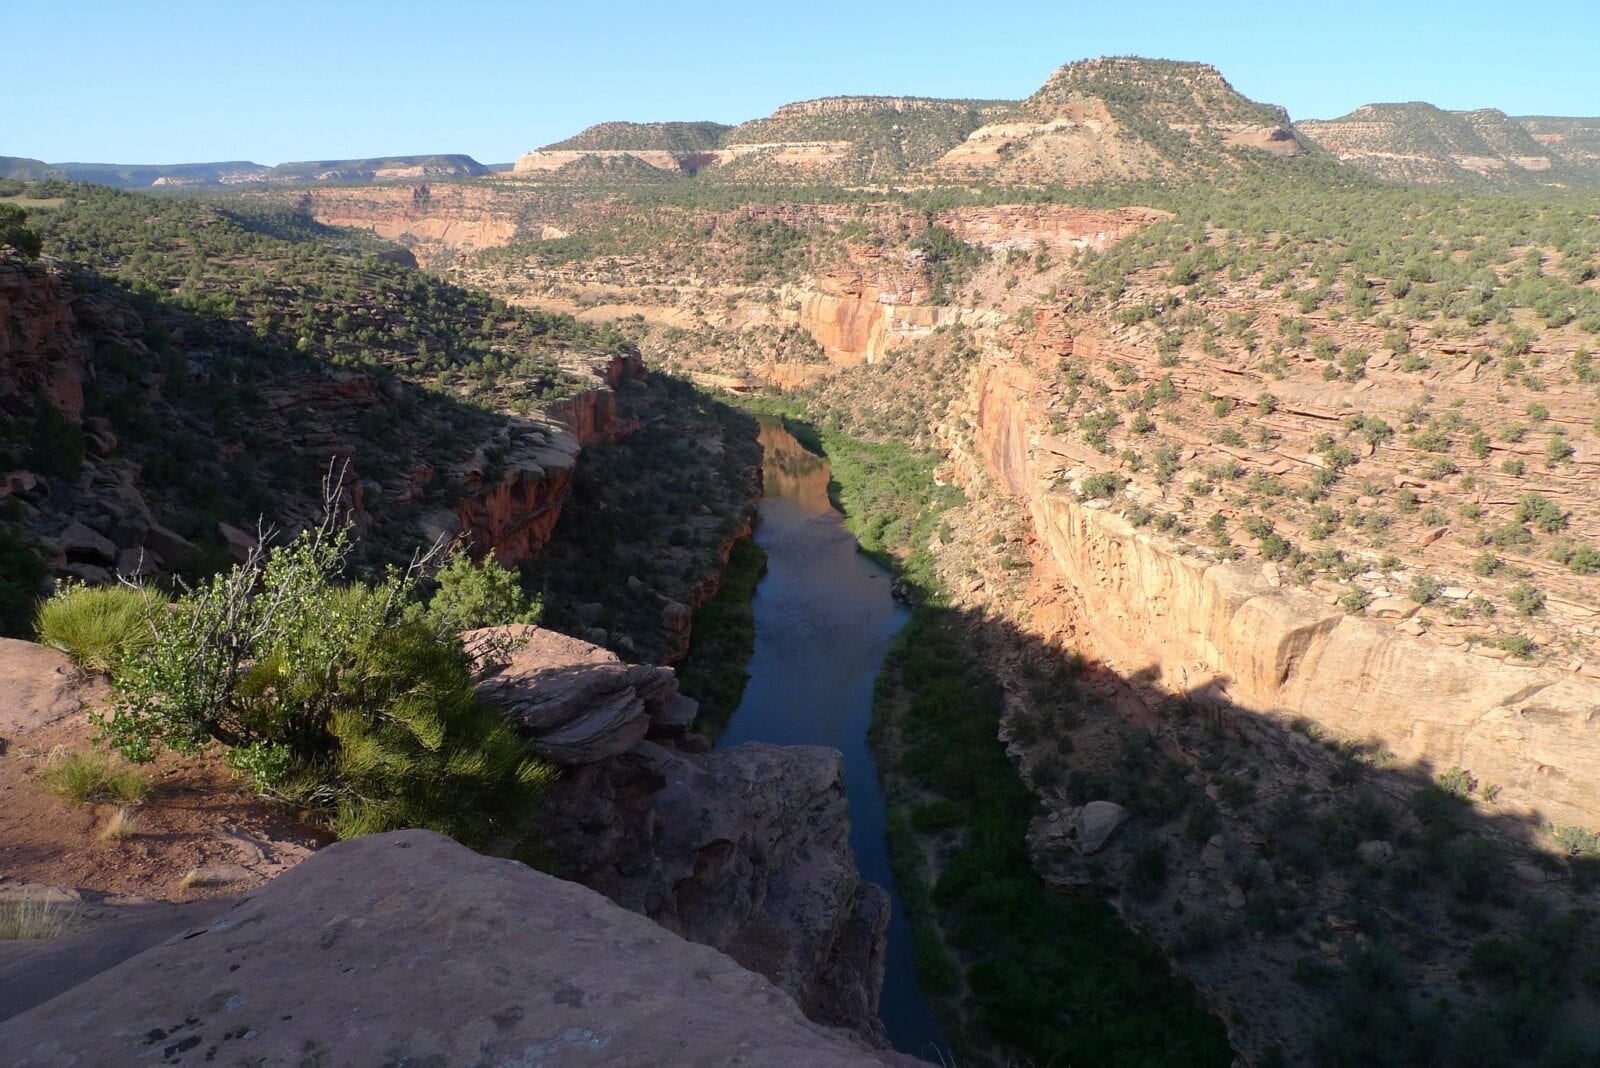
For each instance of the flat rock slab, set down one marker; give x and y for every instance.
(409, 948)
(40, 685)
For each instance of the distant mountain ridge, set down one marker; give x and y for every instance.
(1420, 143)
(244, 172)
(1097, 120)
(1112, 119)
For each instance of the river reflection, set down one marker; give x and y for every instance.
(824, 622)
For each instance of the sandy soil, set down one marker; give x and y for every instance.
(197, 818)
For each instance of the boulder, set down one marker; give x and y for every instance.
(167, 544)
(1097, 822)
(407, 947)
(240, 544)
(81, 545)
(1375, 852)
(578, 703)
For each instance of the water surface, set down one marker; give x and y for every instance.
(824, 622)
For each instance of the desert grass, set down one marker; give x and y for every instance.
(28, 918)
(98, 626)
(123, 824)
(84, 777)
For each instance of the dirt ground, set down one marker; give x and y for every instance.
(197, 818)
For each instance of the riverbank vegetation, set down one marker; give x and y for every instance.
(722, 639)
(1016, 972)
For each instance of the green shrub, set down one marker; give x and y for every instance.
(1525, 599)
(1541, 512)
(1103, 486)
(98, 626)
(1355, 600)
(15, 234)
(437, 756)
(1457, 781)
(469, 596)
(345, 698)
(83, 777)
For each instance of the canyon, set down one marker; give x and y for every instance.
(1254, 501)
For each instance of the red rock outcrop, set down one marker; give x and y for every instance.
(513, 514)
(42, 348)
(434, 219)
(745, 849)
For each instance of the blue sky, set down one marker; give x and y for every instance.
(161, 81)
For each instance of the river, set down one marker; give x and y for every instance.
(824, 621)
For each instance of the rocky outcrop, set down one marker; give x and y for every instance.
(1060, 228)
(513, 501)
(1226, 633)
(410, 947)
(42, 347)
(744, 849)
(578, 702)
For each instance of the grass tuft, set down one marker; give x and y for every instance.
(29, 918)
(84, 777)
(100, 627)
(123, 824)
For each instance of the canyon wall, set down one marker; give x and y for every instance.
(431, 219)
(1231, 634)
(513, 503)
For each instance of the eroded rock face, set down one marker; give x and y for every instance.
(1225, 634)
(512, 506)
(580, 703)
(744, 849)
(409, 947)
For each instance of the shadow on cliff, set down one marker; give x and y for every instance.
(229, 420)
(1328, 902)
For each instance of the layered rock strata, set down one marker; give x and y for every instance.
(1225, 633)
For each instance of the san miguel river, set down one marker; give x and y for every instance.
(824, 622)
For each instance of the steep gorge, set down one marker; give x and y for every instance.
(1228, 634)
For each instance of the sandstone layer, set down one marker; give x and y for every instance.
(1223, 632)
(410, 947)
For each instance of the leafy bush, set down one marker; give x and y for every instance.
(1424, 588)
(1526, 599)
(1541, 512)
(1355, 600)
(469, 596)
(346, 698)
(1457, 781)
(1103, 486)
(82, 777)
(98, 626)
(15, 235)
